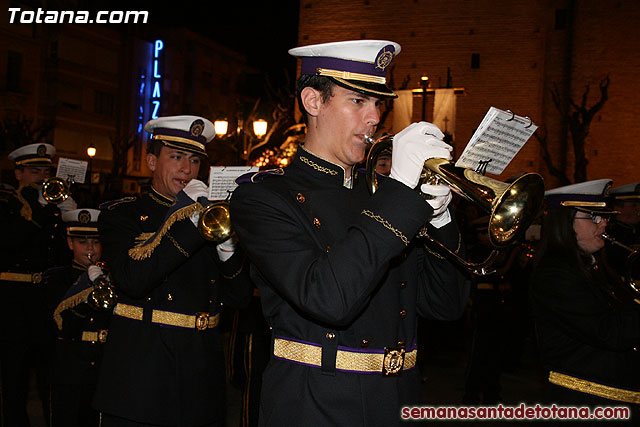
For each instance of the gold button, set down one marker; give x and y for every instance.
(401, 344)
(316, 222)
(169, 297)
(330, 335)
(213, 281)
(403, 314)
(93, 363)
(148, 298)
(364, 343)
(91, 320)
(211, 301)
(403, 285)
(300, 198)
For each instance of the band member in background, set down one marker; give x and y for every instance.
(81, 327)
(340, 277)
(624, 227)
(32, 241)
(163, 362)
(588, 339)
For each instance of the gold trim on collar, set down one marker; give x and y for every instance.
(318, 167)
(344, 172)
(351, 76)
(159, 198)
(180, 139)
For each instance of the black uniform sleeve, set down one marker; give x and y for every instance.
(443, 291)
(138, 274)
(333, 284)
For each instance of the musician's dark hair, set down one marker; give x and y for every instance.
(154, 147)
(559, 238)
(322, 84)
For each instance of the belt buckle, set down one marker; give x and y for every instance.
(393, 361)
(102, 336)
(36, 278)
(202, 321)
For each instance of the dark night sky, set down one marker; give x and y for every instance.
(262, 30)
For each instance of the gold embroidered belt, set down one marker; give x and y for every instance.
(389, 362)
(198, 321)
(21, 277)
(595, 389)
(95, 336)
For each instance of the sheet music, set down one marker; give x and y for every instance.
(222, 180)
(496, 141)
(71, 169)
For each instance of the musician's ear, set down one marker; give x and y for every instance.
(70, 243)
(311, 100)
(151, 161)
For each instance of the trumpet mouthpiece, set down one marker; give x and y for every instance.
(368, 139)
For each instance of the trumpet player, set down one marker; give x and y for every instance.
(163, 361)
(32, 241)
(341, 279)
(588, 339)
(624, 227)
(81, 330)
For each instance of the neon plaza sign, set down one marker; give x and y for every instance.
(157, 78)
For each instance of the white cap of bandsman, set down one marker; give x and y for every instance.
(359, 65)
(33, 155)
(189, 133)
(589, 196)
(81, 222)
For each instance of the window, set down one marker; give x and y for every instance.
(103, 103)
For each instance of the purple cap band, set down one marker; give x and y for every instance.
(311, 63)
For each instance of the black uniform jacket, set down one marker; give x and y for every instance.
(582, 330)
(31, 241)
(153, 373)
(81, 333)
(337, 267)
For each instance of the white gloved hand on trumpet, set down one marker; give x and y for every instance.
(196, 189)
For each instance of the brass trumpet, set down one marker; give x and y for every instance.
(215, 222)
(56, 190)
(631, 267)
(512, 206)
(103, 296)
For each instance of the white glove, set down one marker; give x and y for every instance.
(441, 198)
(412, 146)
(196, 189)
(68, 205)
(94, 272)
(226, 248)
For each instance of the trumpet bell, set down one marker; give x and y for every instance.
(512, 206)
(215, 222)
(55, 190)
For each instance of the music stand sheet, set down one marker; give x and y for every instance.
(222, 180)
(72, 170)
(496, 141)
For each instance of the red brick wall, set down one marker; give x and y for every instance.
(521, 56)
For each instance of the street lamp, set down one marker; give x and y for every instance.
(91, 151)
(221, 127)
(260, 128)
